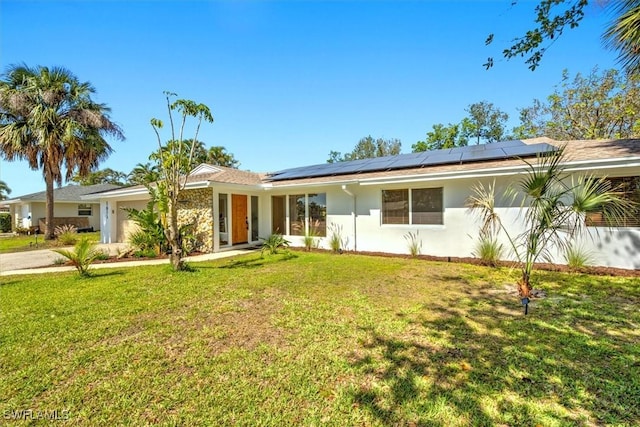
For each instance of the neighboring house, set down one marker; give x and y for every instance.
(373, 204)
(29, 211)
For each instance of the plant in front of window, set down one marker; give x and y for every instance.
(336, 241)
(414, 243)
(311, 236)
(552, 209)
(82, 256)
(66, 235)
(272, 243)
(487, 248)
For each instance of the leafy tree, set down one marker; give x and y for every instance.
(103, 176)
(600, 105)
(175, 161)
(440, 137)
(554, 16)
(553, 210)
(218, 155)
(144, 174)
(368, 148)
(47, 117)
(485, 123)
(4, 190)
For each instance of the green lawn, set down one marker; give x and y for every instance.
(32, 242)
(320, 339)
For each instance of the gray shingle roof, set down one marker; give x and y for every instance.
(68, 193)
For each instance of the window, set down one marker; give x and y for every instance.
(318, 214)
(84, 210)
(415, 206)
(278, 214)
(296, 215)
(629, 186)
(254, 218)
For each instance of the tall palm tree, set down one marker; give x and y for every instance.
(47, 118)
(4, 190)
(623, 34)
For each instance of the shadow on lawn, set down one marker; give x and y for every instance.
(259, 261)
(483, 364)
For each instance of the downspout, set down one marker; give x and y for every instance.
(355, 236)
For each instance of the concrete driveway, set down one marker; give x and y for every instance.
(43, 257)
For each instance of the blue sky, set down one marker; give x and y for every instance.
(289, 81)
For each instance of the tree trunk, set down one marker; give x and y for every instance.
(524, 286)
(174, 238)
(48, 230)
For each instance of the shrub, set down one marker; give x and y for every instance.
(273, 243)
(5, 222)
(66, 234)
(311, 237)
(336, 241)
(82, 256)
(577, 257)
(488, 250)
(414, 243)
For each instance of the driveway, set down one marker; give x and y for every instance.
(43, 257)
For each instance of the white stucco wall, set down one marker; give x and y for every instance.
(458, 234)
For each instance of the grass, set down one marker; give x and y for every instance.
(23, 243)
(315, 338)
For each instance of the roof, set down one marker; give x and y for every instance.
(585, 154)
(68, 193)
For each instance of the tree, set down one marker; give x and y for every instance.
(175, 161)
(485, 123)
(553, 210)
(600, 105)
(4, 190)
(218, 155)
(144, 174)
(368, 148)
(440, 137)
(554, 16)
(47, 117)
(103, 176)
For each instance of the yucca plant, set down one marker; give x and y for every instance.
(82, 256)
(272, 243)
(553, 209)
(414, 243)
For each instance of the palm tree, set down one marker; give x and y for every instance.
(623, 34)
(4, 190)
(218, 155)
(554, 209)
(144, 174)
(47, 118)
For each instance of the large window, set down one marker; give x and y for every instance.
(629, 188)
(415, 206)
(318, 214)
(296, 215)
(84, 210)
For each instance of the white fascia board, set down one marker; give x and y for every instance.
(270, 186)
(232, 186)
(117, 194)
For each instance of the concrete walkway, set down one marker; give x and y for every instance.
(41, 261)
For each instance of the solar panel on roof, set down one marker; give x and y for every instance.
(473, 153)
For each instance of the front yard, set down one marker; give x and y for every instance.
(316, 338)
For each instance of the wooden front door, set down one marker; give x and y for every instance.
(240, 221)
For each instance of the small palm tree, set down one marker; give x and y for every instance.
(83, 254)
(553, 208)
(47, 118)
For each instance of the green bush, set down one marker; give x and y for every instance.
(413, 243)
(5, 222)
(489, 251)
(577, 257)
(273, 243)
(66, 235)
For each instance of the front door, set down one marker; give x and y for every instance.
(240, 221)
